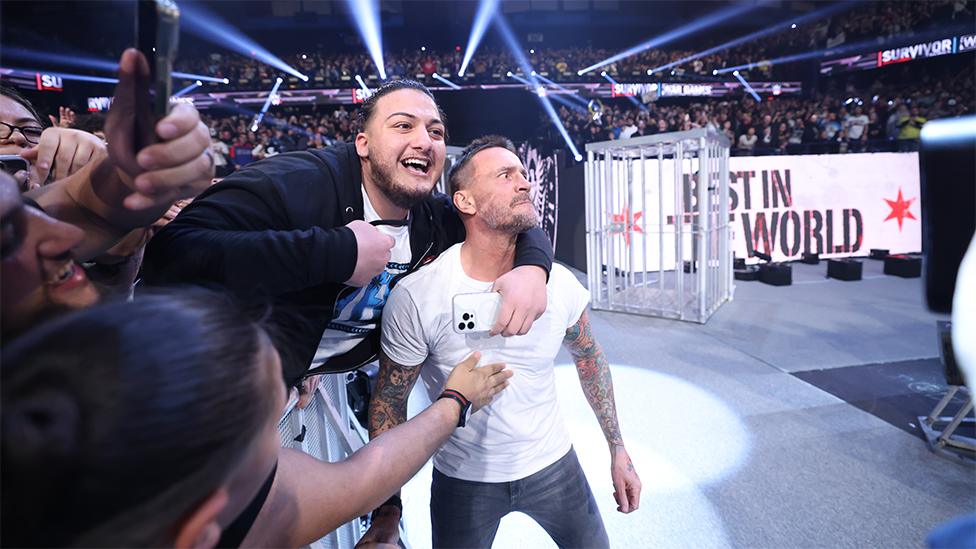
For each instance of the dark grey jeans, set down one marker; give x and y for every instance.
(465, 514)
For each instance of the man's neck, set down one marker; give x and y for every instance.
(487, 255)
(383, 206)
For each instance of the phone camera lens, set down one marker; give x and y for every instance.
(461, 326)
(471, 325)
(465, 316)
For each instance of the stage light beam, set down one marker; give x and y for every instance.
(267, 104)
(710, 19)
(509, 37)
(85, 62)
(188, 89)
(366, 16)
(207, 26)
(632, 99)
(486, 9)
(813, 16)
(450, 84)
(848, 48)
(748, 88)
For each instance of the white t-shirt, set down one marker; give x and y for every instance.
(856, 125)
(357, 310)
(521, 431)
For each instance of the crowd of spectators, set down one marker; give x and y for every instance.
(874, 21)
(882, 117)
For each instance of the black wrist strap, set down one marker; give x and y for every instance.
(462, 401)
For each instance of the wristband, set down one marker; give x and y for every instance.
(460, 399)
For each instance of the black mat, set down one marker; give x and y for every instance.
(896, 392)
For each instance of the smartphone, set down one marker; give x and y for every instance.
(157, 37)
(475, 313)
(12, 163)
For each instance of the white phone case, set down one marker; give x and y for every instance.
(475, 313)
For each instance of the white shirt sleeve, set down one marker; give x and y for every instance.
(571, 293)
(402, 337)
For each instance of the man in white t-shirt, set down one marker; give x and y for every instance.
(516, 455)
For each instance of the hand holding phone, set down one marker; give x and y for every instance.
(18, 167)
(476, 312)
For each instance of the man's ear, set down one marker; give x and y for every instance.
(200, 530)
(362, 145)
(464, 202)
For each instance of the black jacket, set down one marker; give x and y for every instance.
(276, 229)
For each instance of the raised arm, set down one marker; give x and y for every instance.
(594, 374)
(310, 498)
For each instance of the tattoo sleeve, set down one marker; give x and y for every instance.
(594, 375)
(388, 407)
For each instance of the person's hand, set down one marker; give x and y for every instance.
(626, 483)
(524, 300)
(384, 531)
(65, 151)
(66, 118)
(478, 384)
(306, 391)
(177, 165)
(171, 213)
(373, 250)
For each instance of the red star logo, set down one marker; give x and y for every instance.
(628, 221)
(899, 209)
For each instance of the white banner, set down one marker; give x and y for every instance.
(835, 205)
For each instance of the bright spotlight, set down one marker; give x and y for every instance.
(650, 72)
(509, 37)
(363, 85)
(578, 157)
(793, 26)
(68, 76)
(632, 99)
(748, 88)
(188, 89)
(710, 19)
(532, 52)
(267, 104)
(202, 78)
(847, 48)
(572, 95)
(366, 15)
(207, 26)
(423, 48)
(603, 73)
(304, 56)
(715, 72)
(481, 19)
(534, 73)
(450, 84)
(813, 16)
(509, 74)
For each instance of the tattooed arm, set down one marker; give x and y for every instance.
(594, 375)
(310, 498)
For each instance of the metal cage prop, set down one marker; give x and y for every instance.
(657, 225)
(326, 430)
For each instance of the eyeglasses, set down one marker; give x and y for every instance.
(31, 133)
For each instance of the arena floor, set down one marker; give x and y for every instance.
(736, 444)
